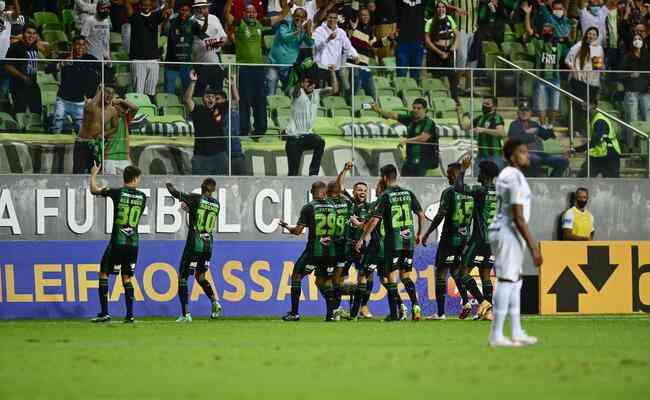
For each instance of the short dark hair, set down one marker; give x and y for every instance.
(77, 38)
(131, 173)
(221, 93)
(316, 186)
(421, 102)
(331, 185)
(495, 100)
(582, 189)
(454, 165)
(388, 171)
(30, 25)
(488, 168)
(510, 147)
(560, 2)
(360, 183)
(208, 185)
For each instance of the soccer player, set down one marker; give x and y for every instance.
(319, 217)
(509, 235)
(478, 252)
(343, 208)
(359, 217)
(203, 211)
(456, 210)
(396, 207)
(122, 251)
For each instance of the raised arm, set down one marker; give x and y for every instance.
(459, 184)
(527, 9)
(383, 113)
(94, 189)
(189, 93)
(129, 8)
(172, 190)
(334, 89)
(341, 177)
(294, 230)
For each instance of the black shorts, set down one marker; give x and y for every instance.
(323, 265)
(478, 255)
(449, 255)
(371, 263)
(398, 259)
(191, 261)
(119, 259)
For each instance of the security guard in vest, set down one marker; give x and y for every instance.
(578, 222)
(604, 149)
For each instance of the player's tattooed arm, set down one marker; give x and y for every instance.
(294, 230)
(94, 189)
(341, 177)
(524, 230)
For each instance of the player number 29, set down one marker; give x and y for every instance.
(401, 215)
(325, 224)
(128, 215)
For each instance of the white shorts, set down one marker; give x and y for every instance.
(115, 167)
(145, 76)
(509, 250)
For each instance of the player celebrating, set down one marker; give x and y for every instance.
(203, 211)
(478, 252)
(396, 207)
(343, 208)
(456, 210)
(122, 251)
(319, 217)
(509, 234)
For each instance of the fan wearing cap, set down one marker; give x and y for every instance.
(532, 134)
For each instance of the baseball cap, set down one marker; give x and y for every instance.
(524, 106)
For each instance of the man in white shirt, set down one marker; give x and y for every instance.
(97, 31)
(299, 132)
(595, 14)
(83, 9)
(332, 46)
(208, 50)
(509, 235)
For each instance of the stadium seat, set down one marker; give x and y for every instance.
(445, 107)
(48, 97)
(392, 103)
(385, 92)
(359, 101)
(30, 122)
(52, 26)
(167, 99)
(67, 18)
(282, 112)
(435, 87)
(7, 122)
(119, 56)
(149, 110)
(408, 101)
(55, 37)
(553, 146)
(123, 80)
(116, 41)
(331, 102)
(45, 17)
(278, 101)
(465, 104)
(172, 110)
(139, 99)
(490, 47)
(340, 112)
(407, 86)
(510, 48)
(322, 112)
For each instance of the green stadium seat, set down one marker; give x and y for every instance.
(278, 101)
(553, 146)
(465, 104)
(408, 101)
(381, 82)
(67, 18)
(55, 37)
(30, 122)
(119, 56)
(167, 99)
(490, 47)
(510, 48)
(385, 92)
(405, 82)
(359, 101)
(173, 110)
(282, 112)
(340, 112)
(48, 97)
(445, 107)
(139, 99)
(322, 112)
(149, 110)
(45, 17)
(53, 26)
(123, 80)
(435, 87)
(391, 103)
(49, 86)
(116, 41)
(331, 102)
(7, 122)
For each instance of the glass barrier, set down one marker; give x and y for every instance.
(237, 119)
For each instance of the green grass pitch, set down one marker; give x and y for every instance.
(577, 358)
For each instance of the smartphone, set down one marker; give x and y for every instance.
(366, 106)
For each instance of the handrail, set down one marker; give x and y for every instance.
(574, 97)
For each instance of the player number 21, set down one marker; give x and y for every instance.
(401, 215)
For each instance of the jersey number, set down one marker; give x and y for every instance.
(128, 215)
(325, 224)
(205, 221)
(464, 212)
(402, 216)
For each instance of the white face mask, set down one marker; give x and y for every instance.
(638, 43)
(558, 13)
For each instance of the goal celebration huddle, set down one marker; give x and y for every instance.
(484, 226)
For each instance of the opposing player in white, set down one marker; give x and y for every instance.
(509, 235)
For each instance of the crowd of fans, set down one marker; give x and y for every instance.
(582, 37)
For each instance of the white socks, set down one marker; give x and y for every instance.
(506, 301)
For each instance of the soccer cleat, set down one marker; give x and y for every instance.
(101, 318)
(340, 313)
(436, 317)
(483, 308)
(184, 318)
(416, 313)
(216, 310)
(524, 340)
(129, 319)
(503, 342)
(465, 311)
(402, 312)
(330, 318)
(391, 318)
(364, 313)
(291, 317)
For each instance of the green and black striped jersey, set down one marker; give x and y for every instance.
(377, 236)
(396, 207)
(343, 208)
(128, 206)
(457, 209)
(204, 213)
(485, 207)
(362, 212)
(319, 217)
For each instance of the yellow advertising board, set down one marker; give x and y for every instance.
(604, 277)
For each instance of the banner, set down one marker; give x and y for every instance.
(58, 279)
(595, 277)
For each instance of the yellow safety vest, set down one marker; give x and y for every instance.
(583, 222)
(599, 150)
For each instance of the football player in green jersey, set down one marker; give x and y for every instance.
(203, 210)
(456, 210)
(343, 207)
(319, 217)
(395, 208)
(478, 252)
(122, 251)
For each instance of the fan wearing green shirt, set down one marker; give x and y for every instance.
(489, 130)
(421, 138)
(117, 153)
